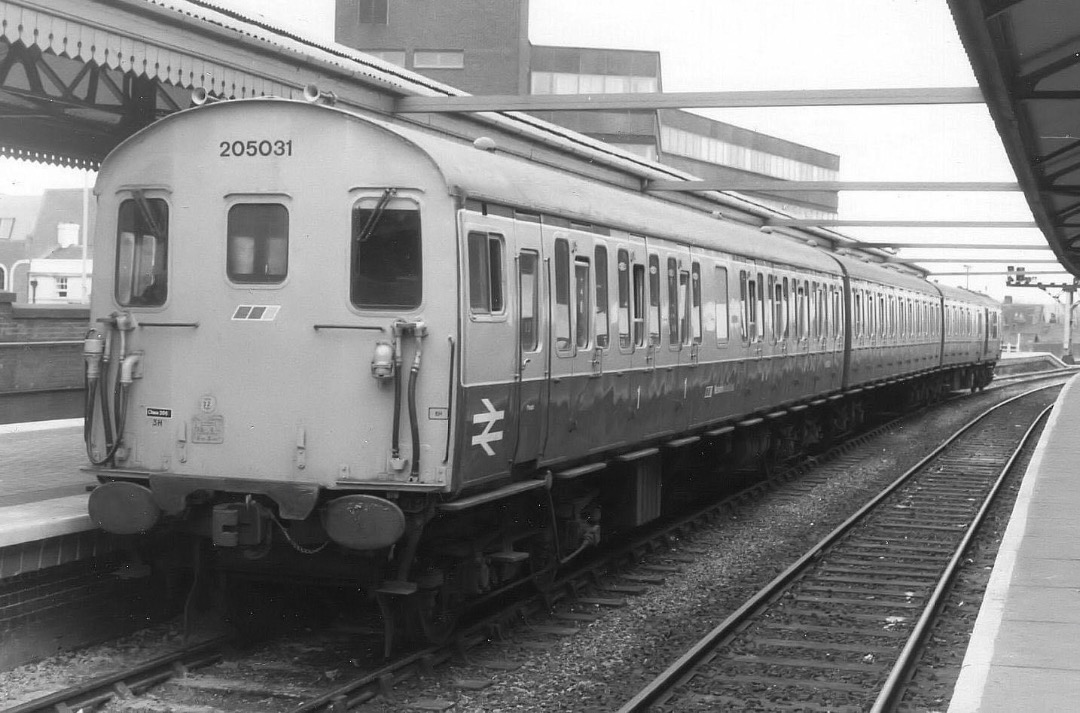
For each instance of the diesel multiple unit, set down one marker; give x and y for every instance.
(333, 345)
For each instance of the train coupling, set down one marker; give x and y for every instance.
(239, 524)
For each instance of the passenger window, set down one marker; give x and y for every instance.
(625, 320)
(654, 299)
(759, 286)
(639, 305)
(744, 302)
(722, 315)
(800, 310)
(529, 288)
(562, 295)
(142, 252)
(779, 316)
(695, 297)
(684, 307)
(258, 243)
(602, 327)
(485, 273)
(674, 308)
(582, 302)
(385, 262)
(857, 309)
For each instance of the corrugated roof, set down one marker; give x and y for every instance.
(1026, 57)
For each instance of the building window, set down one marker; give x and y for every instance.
(574, 83)
(373, 12)
(7, 228)
(258, 243)
(61, 287)
(439, 59)
(3, 278)
(392, 56)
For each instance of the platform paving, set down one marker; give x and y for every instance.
(1024, 654)
(41, 460)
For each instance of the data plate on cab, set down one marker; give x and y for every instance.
(208, 429)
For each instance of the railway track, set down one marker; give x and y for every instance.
(604, 580)
(841, 628)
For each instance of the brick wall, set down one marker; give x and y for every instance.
(40, 346)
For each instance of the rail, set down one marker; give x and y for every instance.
(664, 684)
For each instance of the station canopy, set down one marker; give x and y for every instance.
(1026, 57)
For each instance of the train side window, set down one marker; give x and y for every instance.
(623, 286)
(857, 310)
(654, 300)
(639, 305)
(142, 251)
(744, 306)
(603, 337)
(818, 310)
(582, 302)
(788, 307)
(529, 289)
(675, 308)
(722, 315)
(561, 317)
(776, 291)
(760, 289)
(258, 243)
(386, 267)
(486, 273)
(695, 302)
(800, 310)
(684, 306)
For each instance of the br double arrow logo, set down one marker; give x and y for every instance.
(489, 418)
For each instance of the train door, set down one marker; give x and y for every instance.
(630, 354)
(660, 384)
(571, 392)
(488, 368)
(531, 386)
(718, 362)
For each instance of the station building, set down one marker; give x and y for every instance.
(482, 47)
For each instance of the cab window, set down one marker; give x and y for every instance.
(258, 243)
(142, 251)
(385, 262)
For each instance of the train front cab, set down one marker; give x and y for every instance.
(274, 299)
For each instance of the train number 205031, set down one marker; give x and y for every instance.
(252, 147)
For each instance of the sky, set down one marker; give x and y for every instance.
(731, 45)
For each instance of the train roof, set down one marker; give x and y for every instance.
(494, 177)
(875, 272)
(488, 175)
(959, 294)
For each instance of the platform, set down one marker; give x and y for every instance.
(1024, 654)
(43, 495)
(41, 460)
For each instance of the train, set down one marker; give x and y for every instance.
(335, 347)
